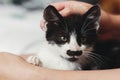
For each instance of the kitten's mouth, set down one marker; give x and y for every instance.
(72, 59)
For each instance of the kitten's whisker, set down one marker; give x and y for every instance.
(97, 55)
(91, 59)
(94, 61)
(97, 58)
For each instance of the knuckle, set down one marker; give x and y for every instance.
(68, 11)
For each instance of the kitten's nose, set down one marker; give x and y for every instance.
(74, 53)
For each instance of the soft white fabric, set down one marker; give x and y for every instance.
(18, 28)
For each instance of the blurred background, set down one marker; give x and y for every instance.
(20, 24)
(20, 21)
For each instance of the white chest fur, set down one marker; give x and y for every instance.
(50, 57)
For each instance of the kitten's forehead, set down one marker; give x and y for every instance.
(73, 20)
(73, 23)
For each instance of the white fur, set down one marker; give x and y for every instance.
(55, 57)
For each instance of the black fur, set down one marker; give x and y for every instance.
(58, 26)
(105, 55)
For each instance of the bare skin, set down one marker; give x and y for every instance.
(16, 68)
(13, 67)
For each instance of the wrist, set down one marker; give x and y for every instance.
(109, 26)
(105, 26)
(65, 75)
(105, 19)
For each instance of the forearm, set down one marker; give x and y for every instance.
(115, 19)
(85, 75)
(13, 67)
(109, 26)
(109, 20)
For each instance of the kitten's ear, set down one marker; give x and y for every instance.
(93, 13)
(91, 20)
(51, 14)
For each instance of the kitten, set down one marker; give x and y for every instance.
(68, 40)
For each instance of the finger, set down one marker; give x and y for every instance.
(65, 12)
(42, 24)
(59, 6)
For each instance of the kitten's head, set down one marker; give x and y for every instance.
(74, 35)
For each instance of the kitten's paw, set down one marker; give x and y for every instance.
(34, 60)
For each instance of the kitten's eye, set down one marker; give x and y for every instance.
(63, 38)
(83, 39)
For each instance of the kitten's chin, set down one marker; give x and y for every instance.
(71, 59)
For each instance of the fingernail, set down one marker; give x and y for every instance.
(42, 24)
(44, 28)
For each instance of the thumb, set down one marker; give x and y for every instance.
(65, 12)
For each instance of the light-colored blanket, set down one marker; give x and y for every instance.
(18, 28)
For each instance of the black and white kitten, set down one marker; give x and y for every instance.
(71, 43)
(68, 39)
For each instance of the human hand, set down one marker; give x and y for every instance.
(71, 7)
(13, 67)
(67, 8)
